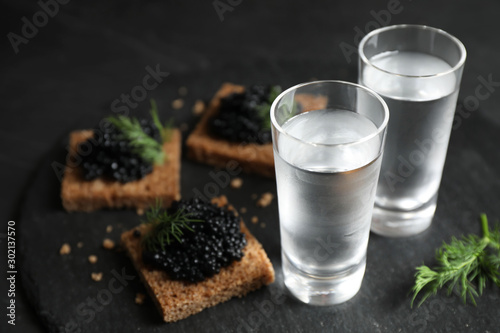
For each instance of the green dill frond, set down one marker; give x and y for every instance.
(154, 115)
(264, 108)
(461, 263)
(142, 144)
(165, 227)
(165, 130)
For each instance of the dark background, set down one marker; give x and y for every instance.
(90, 52)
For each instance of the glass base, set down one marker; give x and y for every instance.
(320, 290)
(398, 223)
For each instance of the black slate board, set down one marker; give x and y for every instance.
(60, 287)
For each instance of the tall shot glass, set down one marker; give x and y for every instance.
(328, 139)
(417, 70)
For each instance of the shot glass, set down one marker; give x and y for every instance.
(417, 70)
(328, 139)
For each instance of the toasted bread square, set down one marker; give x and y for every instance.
(204, 147)
(79, 194)
(177, 300)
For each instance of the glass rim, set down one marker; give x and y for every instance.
(460, 63)
(368, 137)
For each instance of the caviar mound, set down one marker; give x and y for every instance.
(163, 183)
(239, 119)
(109, 155)
(214, 242)
(205, 147)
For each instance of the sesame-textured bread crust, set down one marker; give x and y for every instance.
(79, 194)
(177, 300)
(255, 158)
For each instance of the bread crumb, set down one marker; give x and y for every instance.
(265, 199)
(198, 107)
(254, 219)
(109, 228)
(65, 249)
(183, 127)
(139, 298)
(139, 211)
(182, 91)
(92, 259)
(262, 225)
(220, 201)
(96, 276)
(79, 245)
(232, 209)
(108, 244)
(177, 103)
(236, 182)
(243, 210)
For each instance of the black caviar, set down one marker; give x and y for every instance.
(239, 119)
(112, 157)
(214, 243)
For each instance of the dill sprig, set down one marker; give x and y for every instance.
(165, 227)
(165, 130)
(264, 108)
(461, 262)
(142, 144)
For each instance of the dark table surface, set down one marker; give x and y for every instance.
(66, 73)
